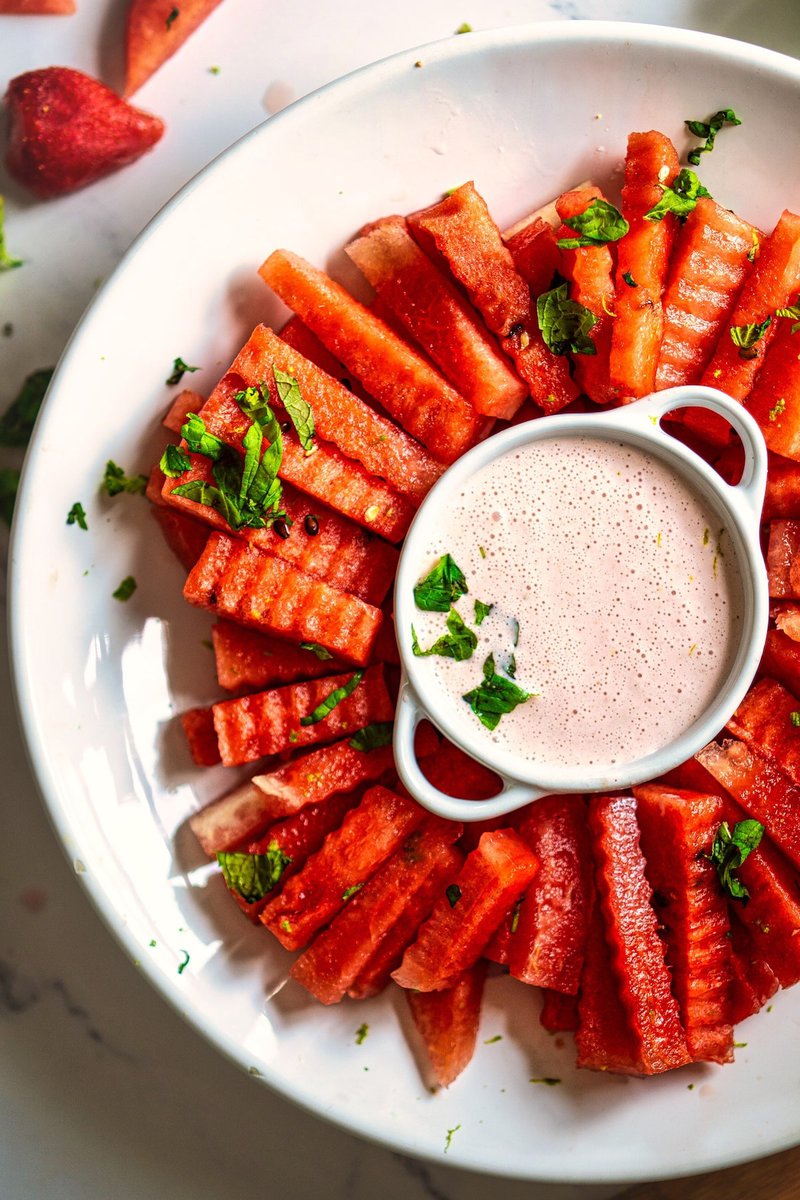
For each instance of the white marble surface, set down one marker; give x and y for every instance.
(104, 1091)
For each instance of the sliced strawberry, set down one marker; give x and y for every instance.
(67, 129)
(631, 929)
(677, 833)
(493, 878)
(155, 30)
(448, 1023)
(338, 954)
(349, 857)
(548, 940)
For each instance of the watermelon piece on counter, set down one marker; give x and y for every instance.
(250, 661)
(231, 579)
(313, 777)
(643, 255)
(677, 830)
(764, 721)
(270, 722)
(774, 399)
(370, 833)
(436, 315)
(338, 954)
(604, 1038)
(340, 417)
(376, 973)
(155, 30)
(400, 379)
(493, 878)
(762, 790)
(631, 931)
(339, 482)
(448, 1023)
(783, 559)
(318, 542)
(559, 1012)
(185, 537)
(590, 270)
(713, 254)
(780, 660)
(198, 726)
(548, 940)
(770, 285)
(67, 130)
(460, 232)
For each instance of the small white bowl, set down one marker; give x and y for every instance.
(739, 510)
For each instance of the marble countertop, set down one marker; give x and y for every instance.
(104, 1090)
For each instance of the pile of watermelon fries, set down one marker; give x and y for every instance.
(650, 922)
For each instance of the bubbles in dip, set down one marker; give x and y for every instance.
(623, 585)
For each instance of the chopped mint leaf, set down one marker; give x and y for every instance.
(115, 481)
(179, 367)
(565, 323)
(680, 198)
(495, 696)
(175, 462)
(361, 1033)
(125, 589)
(379, 733)
(351, 891)
(515, 631)
(441, 587)
(214, 70)
(321, 652)
(631, 282)
(329, 703)
(709, 130)
(511, 669)
(547, 1080)
(9, 482)
(597, 225)
(76, 516)
(747, 336)
(458, 643)
(16, 423)
(498, 1037)
(172, 16)
(251, 876)
(515, 915)
(793, 313)
(449, 1137)
(182, 966)
(7, 263)
(482, 611)
(453, 893)
(464, 27)
(199, 440)
(298, 410)
(729, 851)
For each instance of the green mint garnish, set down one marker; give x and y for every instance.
(379, 733)
(709, 130)
(321, 652)
(565, 323)
(495, 696)
(251, 876)
(171, 17)
(297, 409)
(7, 263)
(116, 481)
(729, 851)
(794, 717)
(679, 198)
(351, 891)
(175, 462)
(597, 225)
(793, 313)
(125, 589)
(199, 440)
(453, 893)
(482, 611)
(76, 516)
(179, 367)
(183, 965)
(16, 423)
(441, 587)
(746, 336)
(329, 703)
(631, 282)
(458, 643)
(361, 1033)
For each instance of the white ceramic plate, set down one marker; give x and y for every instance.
(524, 113)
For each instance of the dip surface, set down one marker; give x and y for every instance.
(614, 579)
